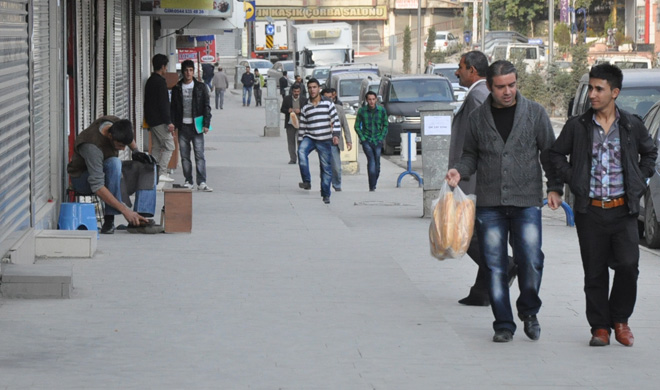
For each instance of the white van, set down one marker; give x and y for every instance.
(533, 55)
(626, 62)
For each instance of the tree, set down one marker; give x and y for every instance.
(521, 13)
(406, 50)
(430, 45)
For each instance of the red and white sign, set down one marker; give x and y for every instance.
(203, 54)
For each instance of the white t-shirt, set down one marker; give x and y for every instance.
(187, 102)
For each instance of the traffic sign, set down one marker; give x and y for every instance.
(270, 29)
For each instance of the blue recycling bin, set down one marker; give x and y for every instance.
(77, 216)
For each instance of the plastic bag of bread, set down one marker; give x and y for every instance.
(452, 223)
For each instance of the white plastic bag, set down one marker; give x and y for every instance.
(452, 223)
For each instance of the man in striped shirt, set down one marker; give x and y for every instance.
(319, 129)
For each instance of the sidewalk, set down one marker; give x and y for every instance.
(276, 290)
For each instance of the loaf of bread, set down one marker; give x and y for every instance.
(448, 220)
(464, 226)
(293, 118)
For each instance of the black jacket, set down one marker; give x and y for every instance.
(156, 101)
(287, 103)
(200, 104)
(638, 154)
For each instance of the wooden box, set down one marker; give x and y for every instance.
(178, 210)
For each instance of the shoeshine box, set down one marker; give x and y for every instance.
(177, 217)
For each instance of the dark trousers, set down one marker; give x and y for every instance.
(608, 239)
(481, 282)
(257, 96)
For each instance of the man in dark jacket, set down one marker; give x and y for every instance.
(507, 134)
(248, 82)
(284, 84)
(611, 156)
(190, 103)
(157, 116)
(292, 104)
(471, 74)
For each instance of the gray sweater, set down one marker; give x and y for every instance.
(507, 174)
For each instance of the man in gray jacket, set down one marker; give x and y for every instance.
(471, 74)
(507, 134)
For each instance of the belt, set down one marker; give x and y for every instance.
(608, 204)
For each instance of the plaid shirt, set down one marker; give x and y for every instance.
(606, 170)
(371, 125)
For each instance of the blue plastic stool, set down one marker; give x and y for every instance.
(77, 216)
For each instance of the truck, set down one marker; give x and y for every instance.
(281, 50)
(321, 44)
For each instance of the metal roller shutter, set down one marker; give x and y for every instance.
(85, 35)
(41, 101)
(14, 123)
(119, 54)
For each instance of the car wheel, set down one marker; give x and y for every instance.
(651, 226)
(387, 149)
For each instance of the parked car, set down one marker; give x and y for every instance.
(499, 37)
(532, 55)
(651, 201)
(321, 74)
(354, 67)
(448, 71)
(402, 96)
(276, 71)
(445, 41)
(347, 86)
(262, 65)
(639, 95)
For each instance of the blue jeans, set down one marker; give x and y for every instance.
(247, 91)
(523, 224)
(219, 98)
(325, 157)
(336, 166)
(186, 136)
(372, 151)
(145, 200)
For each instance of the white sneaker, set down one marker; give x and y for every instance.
(165, 178)
(188, 185)
(204, 187)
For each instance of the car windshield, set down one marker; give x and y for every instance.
(440, 36)
(349, 87)
(448, 73)
(261, 64)
(638, 100)
(320, 73)
(374, 88)
(328, 57)
(421, 90)
(288, 66)
(526, 53)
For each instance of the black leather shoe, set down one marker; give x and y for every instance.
(532, 327)
(326, 200)
(305, 185)
(503, 336)
(108, 228)
(475, 300)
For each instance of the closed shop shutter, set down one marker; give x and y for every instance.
(119, 55)
(14, 123)
(84, 41)
(41, 100)
(225, 44)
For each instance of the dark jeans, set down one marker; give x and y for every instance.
(372, 152)
(523, 224)
(186, 136)
(325, 160)
(608, 239)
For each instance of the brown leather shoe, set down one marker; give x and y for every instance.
(600, 338)
(623, 334)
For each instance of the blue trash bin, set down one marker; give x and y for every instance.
(77, 216)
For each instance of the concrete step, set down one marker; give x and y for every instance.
(65, 243)
(36, 281)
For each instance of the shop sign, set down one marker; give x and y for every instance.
(313, 13)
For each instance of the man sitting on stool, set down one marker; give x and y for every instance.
(96, 168)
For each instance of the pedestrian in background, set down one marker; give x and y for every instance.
(247, 79)
(471, 74)
(284, 83)
(371, 128)
(291, 105)
(319, 130)
(299, 81)
(190, 100)
(220, 84)
(611, 156)
(507, 134)
(258, 84)
(157, 116)
(331, 94)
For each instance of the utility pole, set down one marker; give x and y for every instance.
(484, 5)
(419, 36)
